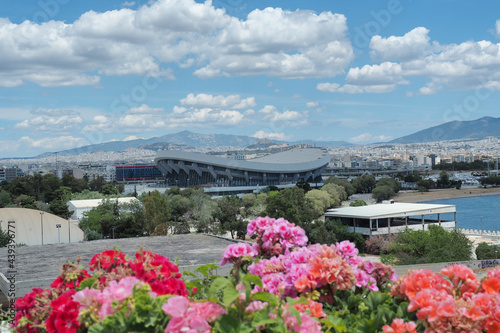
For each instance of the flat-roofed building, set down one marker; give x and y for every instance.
(187, 168)
(392, 217)
(78, 207)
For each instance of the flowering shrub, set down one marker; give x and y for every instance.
(278, 285)
(275, 236)
(118, 286)
(460, 303)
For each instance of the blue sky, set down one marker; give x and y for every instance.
(74, 73)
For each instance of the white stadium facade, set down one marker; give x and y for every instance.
(185, 169)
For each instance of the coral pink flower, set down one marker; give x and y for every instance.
(492, 283)
(399, 326)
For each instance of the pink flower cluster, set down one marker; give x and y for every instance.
(99, 303)
(191, 317)
(461, 303)
(306, 324)
(319, 267)
(63, 309)
(149, 267)
(235, 251)
(275, 236)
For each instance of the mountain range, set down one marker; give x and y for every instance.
(187, 139)
(453, 130)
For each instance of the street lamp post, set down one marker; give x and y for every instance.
(113, 232)
(41, 224)
(58, 226)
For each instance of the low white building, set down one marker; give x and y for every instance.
(80, 206)
(34, 227)
(392, 217)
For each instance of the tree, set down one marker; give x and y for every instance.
(4, 238)
(97, 184)
(430, 246)
(26, 201)
(50, 183)
(258, 208)
(383, 192)
(203, 213)
(20, 186)
(364, 184)
(349, 189)
(337, 192)
(321, 200)
(227, 212)
(332, 231)
(76, 185)
(486, 251)
(291, 204)
(358, 203)
(5, 199)
(303, 185)
(412, 177)
(60, 208)
(425, 185)
(109, 189)
(248, 200)
(156, 211)
(443, 180)
(391, 182)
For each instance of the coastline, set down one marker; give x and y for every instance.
(415, 197)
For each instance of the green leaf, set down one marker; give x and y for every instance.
(230, 294)
(301, 300)
(336, 323)
(218, 284)
(265, 297)
(375, 299)
(227, 324)
(254, 279)
(88, 282)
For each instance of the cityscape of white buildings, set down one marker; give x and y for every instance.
(415, 156)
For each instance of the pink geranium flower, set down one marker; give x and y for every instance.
(123, 289)
(235, 251)
(190, 317)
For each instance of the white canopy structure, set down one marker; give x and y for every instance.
(393, 217)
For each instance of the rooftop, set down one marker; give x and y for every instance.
(96, 202)
(39, 265)
(387, 210)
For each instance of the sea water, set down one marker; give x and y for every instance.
(471, 211)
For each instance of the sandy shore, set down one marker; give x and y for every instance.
(432, 195)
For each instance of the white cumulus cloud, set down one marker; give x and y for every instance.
(367, 138)
(219, 101)
(263, 135)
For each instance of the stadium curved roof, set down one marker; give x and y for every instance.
(291, 161)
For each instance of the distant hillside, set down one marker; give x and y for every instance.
(455, 130)
(186, 140)
(262, 143)
(322, 143)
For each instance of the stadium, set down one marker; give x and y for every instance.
(185, 169)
